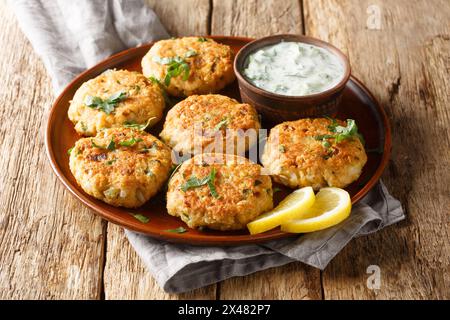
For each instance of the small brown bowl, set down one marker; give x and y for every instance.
(278, 108)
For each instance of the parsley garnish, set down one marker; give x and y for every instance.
(96, 145)
(282, 148)
(221, 124)
(167, 99)
(131, 142)
(107, 105)
(340, 133)
(111, 145)
(141, 127)
(174, 170)
(177, 230)
(175, 66)
(257, 182)
(140, 217)
(190, 53)
(110, 162)
(276, 189)
(202, 39)
(70, 151)
(194, 182)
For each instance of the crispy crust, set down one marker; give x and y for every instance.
(193, 123)
(145, 100)
(211, 69)
(243, 192)
(296, 159)
(127, 176)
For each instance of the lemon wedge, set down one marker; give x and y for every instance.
(332, 206)
(293, 206)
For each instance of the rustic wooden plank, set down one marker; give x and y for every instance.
(256, 19)
(181, 18)
(50, 245)
(125, 277)
(405, 60)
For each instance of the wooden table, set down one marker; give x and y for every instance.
(52, 247)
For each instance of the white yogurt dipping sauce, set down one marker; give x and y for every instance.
(294, 69)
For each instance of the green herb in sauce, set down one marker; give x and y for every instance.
(294, 69)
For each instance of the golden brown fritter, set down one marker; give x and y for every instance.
(121, 166)
(219, 191)
(210, 65)
(296, 156)
(140, 101)
(199, 120)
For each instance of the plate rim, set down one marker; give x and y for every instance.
(180, 238)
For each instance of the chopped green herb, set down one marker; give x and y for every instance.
(341, 133)
(111, 145)
(175, 66)
(258, 182)
(131, 142)
(107, 105)
(324, 136)
(174, 170)
(202, 39)
(194, 182)
(282, 148)
(167, 99)
(141, 127)
(177, 230)
(70, 151)
(110, 162)
(221, 124)
(96, 145)
(140, 217)
(83, 126)
(190, 53)
(276, 189)
(137, 88)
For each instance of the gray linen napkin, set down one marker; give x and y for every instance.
(71, 36)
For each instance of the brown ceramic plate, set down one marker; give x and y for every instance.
(357, 103)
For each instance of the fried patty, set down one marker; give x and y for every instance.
(297, 155)
(198, 65)
(121, 166)
(219, 191)
(197, 123)
(138, 101)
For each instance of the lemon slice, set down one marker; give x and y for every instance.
(332, 205)
(292, 207)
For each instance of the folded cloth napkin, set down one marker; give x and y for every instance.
(71, 36)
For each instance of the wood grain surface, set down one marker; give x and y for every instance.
(51, 247)
(406, 63)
